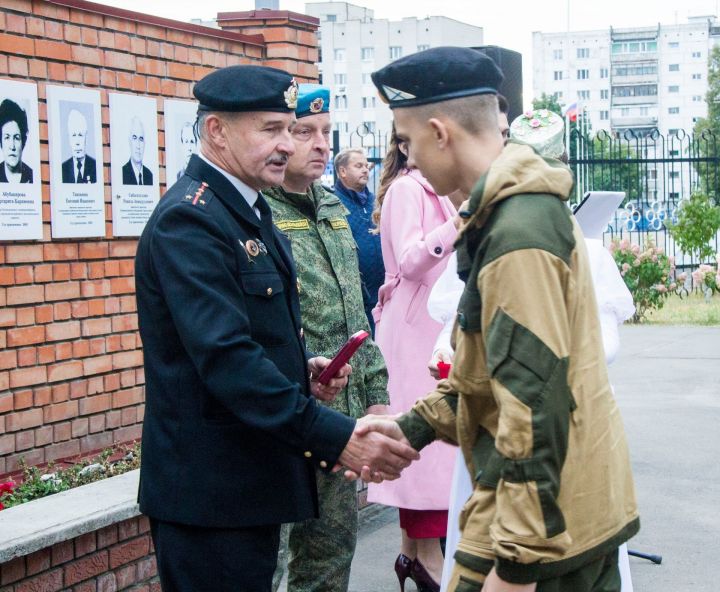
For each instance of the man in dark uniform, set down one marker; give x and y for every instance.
(231, 435)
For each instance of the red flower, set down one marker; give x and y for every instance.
(7, 487)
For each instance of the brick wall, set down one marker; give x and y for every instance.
(71, 376)
(117, 557)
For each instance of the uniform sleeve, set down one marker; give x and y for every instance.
(415, 251)
(195, 268)
(432, 418)
(376, 377)
(526, 334)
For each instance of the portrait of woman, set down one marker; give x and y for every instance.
(13, 136)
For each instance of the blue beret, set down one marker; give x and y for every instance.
(247, 88)
(437, 74)
(313, 99)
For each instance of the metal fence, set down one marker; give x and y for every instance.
(657, 172)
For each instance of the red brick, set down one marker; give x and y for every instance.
(80, 427)
(38, 561)
(44, 313)
(138, 46)
(42, 396)
(182, 71)
(25, 316)
(7, 276)
(86, 543)
(112, 306)
(126, 577)
(124, 323)
(85, 568)
(128, 304)
(24, 274)
(95, 442)
(86, 586)
(25, 336)
(7, 446)
(62, 311)
(60, 392)
(96, 306)
(64, 371)
(16, 44)
(127, 359)
(127, 397)
(62, 331)
(24, 441)
(35, 26)
(63, 351)
(124, 80)
(119, 61)
(98, 365)
(46, 354)
(92, 288)
(127, 529)
(78, 389)
(61, 272)
(96, 270)
(68, 449)
(95, 385)
(91, 76)
(44, 273)
(4, 381)
(23, 253)
(122, 285)
(28, 376)
(50, 581)
(122, 42)
(97, 424)
(7, 317)
(6, 402)
(52, 50)
(27, 357)
(127, 378)
(60, 251)
(62, 432)
(78, 271)
(111, 382)
(107, 536)
(38, 69)
(60, 411)
(14, 23)
(23, 420)
(98, 326)
(62, 291)
(73, 34)
(97, 346)
(113, 419)
(107, 583)
(44, 436)
(13, 570)
(8, 360)
(53, 30)
(128, 416)
(25, 294)
(81, 349)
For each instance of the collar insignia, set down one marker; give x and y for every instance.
(291, 94)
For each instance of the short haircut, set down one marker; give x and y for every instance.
(503, 104)
(343, 157)
(11, 111)
(476, 114)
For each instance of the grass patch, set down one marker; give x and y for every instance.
(690, 310)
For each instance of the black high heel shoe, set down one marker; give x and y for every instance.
(423, 579)
(403, 569)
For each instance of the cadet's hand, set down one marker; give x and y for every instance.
(493, 583)
(439, 355)
(377, 450)
(327, 392)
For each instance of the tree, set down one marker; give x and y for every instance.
(707, 132)
(548, 102)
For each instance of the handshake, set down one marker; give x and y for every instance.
(377, 450)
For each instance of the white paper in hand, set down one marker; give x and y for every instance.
(595, 211)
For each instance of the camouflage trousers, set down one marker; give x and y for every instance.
(318, 552)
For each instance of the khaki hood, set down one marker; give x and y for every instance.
(518, 170)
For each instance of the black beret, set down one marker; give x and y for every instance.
(247, 88)
(437, 74)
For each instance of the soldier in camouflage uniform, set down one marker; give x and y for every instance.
(331, 305)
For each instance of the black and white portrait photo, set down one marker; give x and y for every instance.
(180, 140)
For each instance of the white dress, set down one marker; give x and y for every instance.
(615, 305)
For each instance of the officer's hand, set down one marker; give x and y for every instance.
(327, 392)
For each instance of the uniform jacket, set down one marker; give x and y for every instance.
(417, 233)
(360, 206)
(230, 436)
(129, 178)
(331, 302)
(26, 173)
(69, 174)
(528, 398)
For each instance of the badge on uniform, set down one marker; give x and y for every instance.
(253, 248)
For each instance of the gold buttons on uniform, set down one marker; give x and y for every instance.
(308, 454)
(323, 464)
(269, 291)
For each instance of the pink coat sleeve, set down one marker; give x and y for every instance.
(405, 207)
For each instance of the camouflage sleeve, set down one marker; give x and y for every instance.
(432, 418)
(376, 377)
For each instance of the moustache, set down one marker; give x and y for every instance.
(277, 159)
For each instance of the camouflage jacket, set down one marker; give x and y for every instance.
(331, 301)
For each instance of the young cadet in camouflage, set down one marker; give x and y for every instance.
(331, 307)
(528, 399)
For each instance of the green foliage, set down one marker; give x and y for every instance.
(648, 274)
(698, 223)
(37, 483)
(707, 131)
(548, 102)
(619, 170)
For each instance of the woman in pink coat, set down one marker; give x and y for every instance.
(417, 232)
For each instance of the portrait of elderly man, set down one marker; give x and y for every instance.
(80, 167)
(188, 146)
(134, 172)
(13, 136)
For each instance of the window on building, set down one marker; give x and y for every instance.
(639, 90)
(634, 46)
(604, 93)
(366, 79)
(395, 52)
(367, 53)
(339, 55)
(644, 111)
(697, 76)
(369, 126)
(584, 95)
(583, 74)
(557, 54)
(604, 115)
(340, 78)
(331, 18)
(635, 70)
(558, 95)
(340, 102)
(673, 110)
(557, 75)
(674, 67)
(423, 47)
(697, 98)
(697, 54)
(341, 126)
(673, 131)
(652, 174)
(368, 102)
(674, 174)
(674, 44)
(673, 88)
(625, 111)
(583, 52)
(674, 195)
(604, 72)
(675, 152)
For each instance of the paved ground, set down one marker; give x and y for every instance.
(667, 382)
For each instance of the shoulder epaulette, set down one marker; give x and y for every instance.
(201, 196)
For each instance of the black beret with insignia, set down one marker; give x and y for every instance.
(247, 88)
(437, 74)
